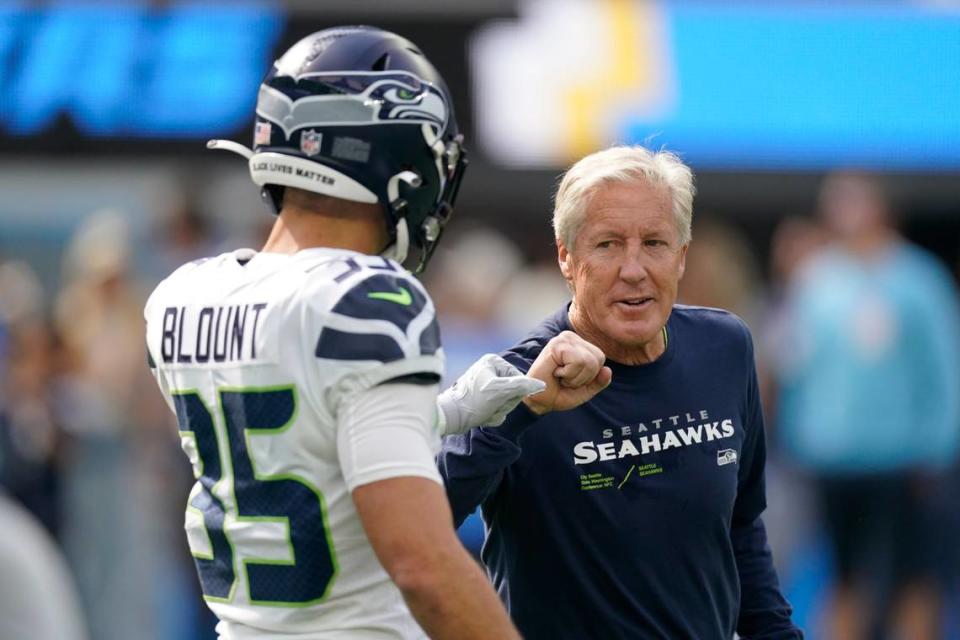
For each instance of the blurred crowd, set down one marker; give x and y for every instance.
(857, 332)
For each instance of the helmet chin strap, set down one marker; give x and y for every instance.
(398, 250)
(401, 245)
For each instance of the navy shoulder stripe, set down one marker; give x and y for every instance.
(383, 297)
(342, 345)
(430, 339)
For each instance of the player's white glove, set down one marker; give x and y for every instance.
(484, 395)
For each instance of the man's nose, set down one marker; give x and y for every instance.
(633, 269)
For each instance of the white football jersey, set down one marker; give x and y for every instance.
(255, 352)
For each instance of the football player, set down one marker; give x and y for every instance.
(304, 376)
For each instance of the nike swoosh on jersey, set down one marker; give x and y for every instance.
(403, 297)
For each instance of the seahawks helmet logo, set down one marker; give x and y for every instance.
(355, 99)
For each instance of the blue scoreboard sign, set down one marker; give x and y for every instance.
(731, 85)
(129, 70)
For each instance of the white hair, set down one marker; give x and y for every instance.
(621, 164)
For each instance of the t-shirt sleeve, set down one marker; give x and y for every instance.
(473, 464)
(751, 492)
(387, 432)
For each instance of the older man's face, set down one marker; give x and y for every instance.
(625, 266)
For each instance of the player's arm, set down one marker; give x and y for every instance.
(384, 437)
(410, 527)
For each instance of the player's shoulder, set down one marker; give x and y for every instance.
(373, 309)
(358, 285)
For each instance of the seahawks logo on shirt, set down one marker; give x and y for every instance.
(726, 456)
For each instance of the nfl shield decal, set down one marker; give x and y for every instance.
(310, 142)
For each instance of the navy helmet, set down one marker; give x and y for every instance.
(359, 113)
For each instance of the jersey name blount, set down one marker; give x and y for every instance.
(214, 334)
(587, 452)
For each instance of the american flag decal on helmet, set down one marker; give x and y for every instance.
(262, 133)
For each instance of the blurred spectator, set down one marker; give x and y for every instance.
(112, 531)
(721, 271)
(29, 429)
(870, 407)
(42, 601)
(482, 288)
(471, 272)
(21, 292)
(792, 526)
(532, 294)
(182, 236)
(466, 281)
(795, 241)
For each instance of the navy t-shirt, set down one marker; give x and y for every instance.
(636, 515)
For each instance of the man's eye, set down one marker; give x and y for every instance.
(655, 243)
(604, 244)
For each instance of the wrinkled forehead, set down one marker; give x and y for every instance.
(636, 206)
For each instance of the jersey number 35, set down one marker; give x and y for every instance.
(305, 575)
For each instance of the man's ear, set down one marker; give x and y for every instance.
(683, 260)
(564, 259)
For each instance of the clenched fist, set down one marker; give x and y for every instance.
(573, 371)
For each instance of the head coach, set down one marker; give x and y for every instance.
(637, 514)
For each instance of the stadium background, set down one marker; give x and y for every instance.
(106, 186)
